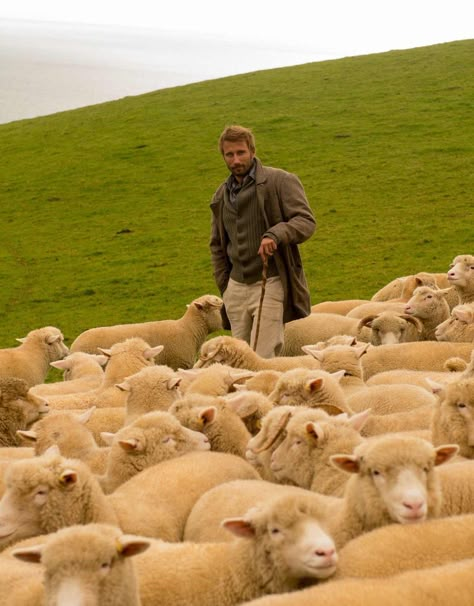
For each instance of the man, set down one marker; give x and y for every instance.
(259, 216)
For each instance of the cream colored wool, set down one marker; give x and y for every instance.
(391, 327)
(336, 307)
(238, 354)
(431, 307)
(461, 276)
(151, 439)
(452, 583)
(283, 544)
(211, 415)
(31, 360)
(459, 327)
(181, 338)
(402, 288)
(376, 307)
(125, 358)
(217, 380)
(251, 407)
(263, 381)
(81, 372)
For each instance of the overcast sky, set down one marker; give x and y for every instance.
(337, 26)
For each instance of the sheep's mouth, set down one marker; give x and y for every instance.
(412, 519)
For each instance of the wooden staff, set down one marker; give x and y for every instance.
(260, 305)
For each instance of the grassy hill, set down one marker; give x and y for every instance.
(105, 210)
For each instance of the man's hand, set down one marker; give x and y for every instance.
(267, 248)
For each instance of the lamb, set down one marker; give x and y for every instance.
(211, 415)
(125, 358)
(30, 361)
(431, 543)
(451, 583)
(279, 546)
(459, 327)
(453, 418)
(422, 355)
(49, 492)
(337, 307)
(152, 438)
(303, 457)
(461, 276)
(68, 432)
(86, 564)
(376, 307)
(402, 288)
(263, 381)
(18, 409)
(319, 327)
(182, 338)
(216, 380)
(312, 388)
(82, 372)
(151, 388)
(238, 354)
(431, 307)
(393, 479)
(388, 327)
(251, 407)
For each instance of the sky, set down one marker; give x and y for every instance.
(353, 26)
(62, 54)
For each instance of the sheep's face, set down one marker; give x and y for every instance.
(396, 477)
(457, 416)
(461, 271)
(459, 327)
(293, 537)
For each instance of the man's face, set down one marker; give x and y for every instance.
(238, 158)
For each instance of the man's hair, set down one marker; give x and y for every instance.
(237, 133)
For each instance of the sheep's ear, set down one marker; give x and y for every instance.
(445, 453)
(240, 527)
(21, 340)
(128, 545)
(331, 409)
(29, 554)
(27, 435)
(338, 375)
(64, 364)
(358, 420)
(131, 445)
(52, 450)
(53, 339)
(101, 359)
(107, 437)
(68, 477)
(173, 383)
(124, 386)
(208, 415)
(315, 385)
(348, 463)
(241, 405)
(85, 416)
(153, 352)
(316, 353)
(361, 349)
(106, 352)
(314, 430)
(436, 388)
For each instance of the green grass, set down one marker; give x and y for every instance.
(105, 210)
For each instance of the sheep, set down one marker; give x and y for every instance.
(182, 338)
(68, 432)
(319, 327)
(402, 288)
(303, 457)
(461, 276)
(459, 327)
(263, 381)
(238, 354)
(49, 492)
(86, 564)
(422, 355)
(453, 418)
(102, 419)
(211, 415)
(18, 409)
(279, 546)
(388, 327)
(151, 388)
(152, 438)
(457, 486)
(390, 399)
(82, 372)
(399, 547)
(31, 359)
(430, 306)
(216, 380)
(451, 583)
(393, 480)
(251, 407)
(376, 307)
(125, 358)
(337, 307)
(312, 388)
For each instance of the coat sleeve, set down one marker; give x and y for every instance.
(219, 259)
(298, 223)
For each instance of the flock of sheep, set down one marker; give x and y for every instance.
(178, 468)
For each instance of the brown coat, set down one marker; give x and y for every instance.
(289, 218)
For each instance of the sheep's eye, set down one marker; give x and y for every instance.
(429, 297)
(471, 267)
(426, 469)
(274, 531)
(461, 405)
(375, 472)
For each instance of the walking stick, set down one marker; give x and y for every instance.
(260, 305)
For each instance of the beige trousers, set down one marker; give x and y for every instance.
(242, 303)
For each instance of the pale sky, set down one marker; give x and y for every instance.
(338, 26)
